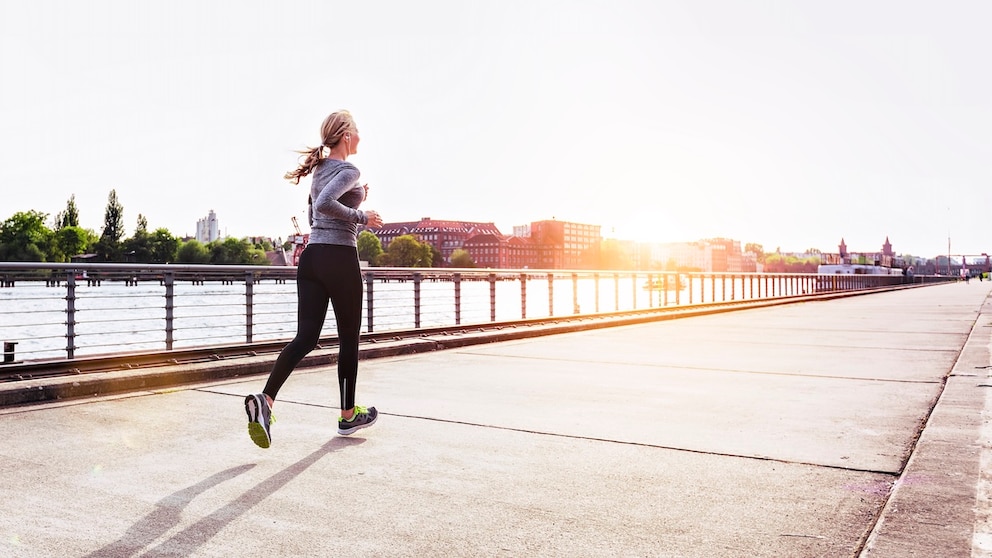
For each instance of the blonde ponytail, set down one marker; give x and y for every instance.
(310, 157)
(331, 131)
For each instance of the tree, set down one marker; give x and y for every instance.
(232, 251)
(109, 248)
(757, 249)
(69, 217)
(193, 252)
(263, 244)
(406, 251)
(137, 248)
(71, 240)
(163, 246)
(432, 255)
(369, 246)
(228, 251)
(25, 238)
(142, 227)
(461, 258)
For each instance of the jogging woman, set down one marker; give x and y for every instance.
(328, 271)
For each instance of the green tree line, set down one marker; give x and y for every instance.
(405, 251)
(26, 237)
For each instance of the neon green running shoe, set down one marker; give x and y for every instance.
(363, 418)
(260, 419)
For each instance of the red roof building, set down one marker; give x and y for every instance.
(445, 236)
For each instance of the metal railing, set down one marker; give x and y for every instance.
(62, 311)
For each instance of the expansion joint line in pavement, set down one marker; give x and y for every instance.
(710, 369)
(596, 439)
(645, 445)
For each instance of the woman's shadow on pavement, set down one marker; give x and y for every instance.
(168, 511)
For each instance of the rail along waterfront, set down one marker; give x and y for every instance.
(65, 311)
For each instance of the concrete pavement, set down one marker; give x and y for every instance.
(856, 426)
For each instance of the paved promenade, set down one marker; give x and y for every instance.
(851, 427)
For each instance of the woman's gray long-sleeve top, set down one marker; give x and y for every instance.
(335, 195)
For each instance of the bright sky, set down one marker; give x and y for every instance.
(789, 124)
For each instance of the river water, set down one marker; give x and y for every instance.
(115, 317)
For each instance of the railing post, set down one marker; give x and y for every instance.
(616, 292)
(551, 294)
(678, 289)
(416, 300)
(523, 296)
(651, 288)
(9, 354)
(492, 297)
(595, 277)
(249, 305)
(457, 280)
(369, 300)
(170, 317)
(692, 286)
(70, 314)
(575, 294)
(633, 289)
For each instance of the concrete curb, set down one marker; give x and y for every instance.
(920, 517)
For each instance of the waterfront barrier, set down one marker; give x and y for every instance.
(64, 311)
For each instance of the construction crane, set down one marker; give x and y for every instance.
(299, 241)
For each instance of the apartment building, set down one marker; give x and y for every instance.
(444, 235)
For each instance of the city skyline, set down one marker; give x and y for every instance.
(213, 221)
(788, 124)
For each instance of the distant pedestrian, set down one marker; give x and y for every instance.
(328, 271)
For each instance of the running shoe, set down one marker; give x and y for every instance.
(363, 418)
(260, 419)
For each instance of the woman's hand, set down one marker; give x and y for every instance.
(372, 219)
(366, 187)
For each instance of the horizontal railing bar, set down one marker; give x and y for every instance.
(62, 336)
(130, 319)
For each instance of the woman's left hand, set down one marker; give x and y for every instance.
(373, 219)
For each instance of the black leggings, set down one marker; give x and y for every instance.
(326, 272)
